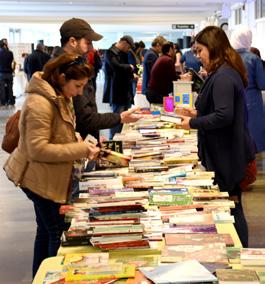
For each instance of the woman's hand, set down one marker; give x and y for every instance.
(93, 151)
(186, 77)
(186, 111)
(185, 123)
(130, 115)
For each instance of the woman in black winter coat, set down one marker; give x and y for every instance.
(224, 144)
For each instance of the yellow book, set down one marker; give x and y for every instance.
(192, 158)
(110, 271)
(85, 259)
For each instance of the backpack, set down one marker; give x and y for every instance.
(11, 136)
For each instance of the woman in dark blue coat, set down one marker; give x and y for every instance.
(241, 40)
(224, 144)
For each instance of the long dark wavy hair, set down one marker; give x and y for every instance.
(221, 51)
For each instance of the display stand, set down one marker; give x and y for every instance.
(183, 93)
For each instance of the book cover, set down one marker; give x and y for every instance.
(197, 239)
(169, 198)
(183, 272)
(113, 145)
(85, 259)
(115, 157)
(124, 245)
(252, 256)
(101, 272)
(182, 229)
(192, 219)
(204, 253)
(233, 254)
(233, 276)
(171, 118)
(54, 277)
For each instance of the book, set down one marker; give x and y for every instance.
(192, 158)
(234, 276)
(252, 256)
(171, 118)
(233, 254)
(54, 277)
(113, 145)
(85, 259)
(190, 271)
(169, 198)
(182, 229)
(121, 229)
(204, 253)
(109, 271)
(114, 157)
(197, 239)
(146, 169)
(192, 219)
(143, 243)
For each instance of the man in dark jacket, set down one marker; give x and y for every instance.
(36, 60)
(150, 58)
(6, 75)
(76, 37)
(118, 81)
(162, 75)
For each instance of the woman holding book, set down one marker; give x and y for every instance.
(42, 164)
(224, 143)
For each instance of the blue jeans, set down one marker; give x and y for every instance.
(50, 225)
(117, 108)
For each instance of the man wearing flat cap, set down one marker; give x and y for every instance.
(76, 37)
(118, 78)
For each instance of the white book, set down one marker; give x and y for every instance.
(171, 118)
(190, 271)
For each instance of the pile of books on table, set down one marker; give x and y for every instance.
(156, 220)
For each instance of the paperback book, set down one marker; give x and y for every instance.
(240, 276)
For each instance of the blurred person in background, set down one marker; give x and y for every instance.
(7, 69)
(162, 75)
(189, 59)
(150, 57)
(118, 78)
(178, 64)
(257, 52)
(36, 60)
(94, 59)
(241, 40)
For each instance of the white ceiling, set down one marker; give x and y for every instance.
(110, 11)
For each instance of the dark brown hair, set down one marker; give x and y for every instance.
(166, 47)
(221, 51)
(72, 66)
